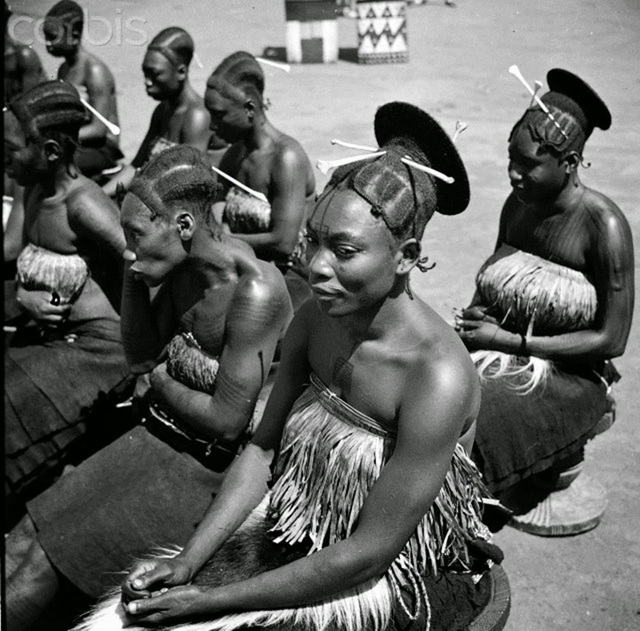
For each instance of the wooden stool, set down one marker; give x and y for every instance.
(576, 504)
(494, 616)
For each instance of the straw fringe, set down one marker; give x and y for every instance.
(190, 365)
(532, 296)
(327, 468)
(539, 296)
(44, 270)
(522, 374)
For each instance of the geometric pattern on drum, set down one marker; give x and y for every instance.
(382, 32)
(39, 269)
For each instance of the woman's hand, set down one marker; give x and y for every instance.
(477, 329)
(43, 307)
(148, 578)
(170, 605)
(158, 379)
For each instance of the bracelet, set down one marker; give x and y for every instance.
(522, 351)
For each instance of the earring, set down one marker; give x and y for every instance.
(407, 288)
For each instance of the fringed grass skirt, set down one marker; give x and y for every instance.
(534, 412)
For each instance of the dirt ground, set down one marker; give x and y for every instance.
(457, 71)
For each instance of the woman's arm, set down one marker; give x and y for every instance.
(397, 502)
(245, 483)
(95, 218)
(146, 325)
(100, 89)
(287, 197)
(610, 257)
(258, 315)
(14, 238)
(195, 130)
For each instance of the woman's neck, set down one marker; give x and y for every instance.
(58, 179)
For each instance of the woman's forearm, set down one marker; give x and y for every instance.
(321, 575)
(195, 410)
(140, 336)
(244, 486)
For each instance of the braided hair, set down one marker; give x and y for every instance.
(178, 176)
(574, 105)
(50, 111)
(175, 44)
(67, 14)
(238, 77)
(403, 197)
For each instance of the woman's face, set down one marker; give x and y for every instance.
(153, 243)
(535, 174)
(61, 39)
(230, 120)
(24, 161)
(352, 256)
(161, 77)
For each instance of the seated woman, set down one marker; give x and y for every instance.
(553, 305)
(268, 162)
(181, 117)
(68, 349)
(355, 506)
(221, 312)
(22, 71)
(99, 147)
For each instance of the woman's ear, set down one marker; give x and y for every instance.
(52, 150)
(182, 72)
(409, 255)
(186, 225)
(250, 109)
(572, 161)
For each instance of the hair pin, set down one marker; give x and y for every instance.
(197, 59)
(537, 85)
(515, 71)
(324, 166)
(460, 127)
(275, 64)
(351, 145)
(244, 187)
(421, 167)
(112, 127)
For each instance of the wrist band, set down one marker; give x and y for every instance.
(522, 351)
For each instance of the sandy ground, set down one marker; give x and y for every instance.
(457, 71)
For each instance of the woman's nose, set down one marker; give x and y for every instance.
(514, 172)
(318, 264)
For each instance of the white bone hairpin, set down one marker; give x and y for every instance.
(274, 64)
(460, 127)
(515, 71)
(244, 187)
(112, 127)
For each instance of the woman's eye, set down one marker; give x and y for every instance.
(310, 238)
(345, 253)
